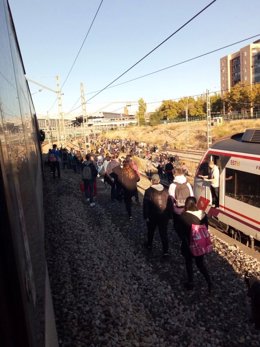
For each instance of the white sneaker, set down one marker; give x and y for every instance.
(92, 204)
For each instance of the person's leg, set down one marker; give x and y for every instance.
(128, 202)
(162, 225)
(177, 225)
(136, 195)
(86, 189)
(188, 264)
(202, 268)
(151, 225)
(214, 195)
(113, 187)
(58, 169)
(216, 189)
(52, 165)
(91, 190)
(119, 190)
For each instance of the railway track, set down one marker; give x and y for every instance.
(188, 155)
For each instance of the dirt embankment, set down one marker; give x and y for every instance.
(192, 135)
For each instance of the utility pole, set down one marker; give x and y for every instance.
(61, 119)
(84, 112)
(187, 110)
(209, 138)
(187, 120)
(58, 92)
(49, 129)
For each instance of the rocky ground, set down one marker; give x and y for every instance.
(108, 291)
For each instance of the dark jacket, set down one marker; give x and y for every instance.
(157, 202)
(186, 219)
(92, 166)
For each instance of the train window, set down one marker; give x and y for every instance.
(204, 166)
(243, 186)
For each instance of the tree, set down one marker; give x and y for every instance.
(200, 105)
(256, 96)
(141, 112)
(168, 110)
(239, 98)
(216, 103)
(155, 118)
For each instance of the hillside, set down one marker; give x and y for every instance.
(192, 135)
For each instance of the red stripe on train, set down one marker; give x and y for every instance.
(239, 220)
(232, 154)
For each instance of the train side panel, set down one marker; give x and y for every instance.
(239, 191)
(22, 204)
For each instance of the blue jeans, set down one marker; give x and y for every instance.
(89, 189)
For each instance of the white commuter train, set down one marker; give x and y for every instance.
(238, 160)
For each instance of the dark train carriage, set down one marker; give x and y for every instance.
(238, 160)
(26, 314)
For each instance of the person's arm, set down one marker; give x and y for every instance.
(205, 221)
(172, 190)
(190, 189)
(146, 202)
(203, 177)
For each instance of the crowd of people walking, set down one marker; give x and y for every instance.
(114, 164)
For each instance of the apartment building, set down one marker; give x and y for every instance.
(242, 66)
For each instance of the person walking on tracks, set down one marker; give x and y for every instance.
(157, 209)
(128, 179)
(113, 178)
(89, 174)
(179, 191)
(192, 216)
(134, 166)
(54, 159)
(169, 170)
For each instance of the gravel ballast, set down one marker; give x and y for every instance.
(109, 291)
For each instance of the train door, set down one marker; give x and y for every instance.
(222, 161)
(201, 186)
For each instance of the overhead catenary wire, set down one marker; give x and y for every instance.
(154, 49)
(169, 67)
(197, 95)
(180, 63)
(84, 40)
(78, 53)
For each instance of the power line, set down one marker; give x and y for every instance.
(74, 62)
(155, 48)
(133, 102)
(180, 63)
(169, 67)
(76, 58)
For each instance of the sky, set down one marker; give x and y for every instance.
(95, 41)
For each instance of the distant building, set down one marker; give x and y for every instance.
(110, 120)
(67, 128)
(242, 66)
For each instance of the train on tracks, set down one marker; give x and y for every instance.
(26, 311)
(238, 160)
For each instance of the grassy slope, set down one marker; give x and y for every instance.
(182, 135)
